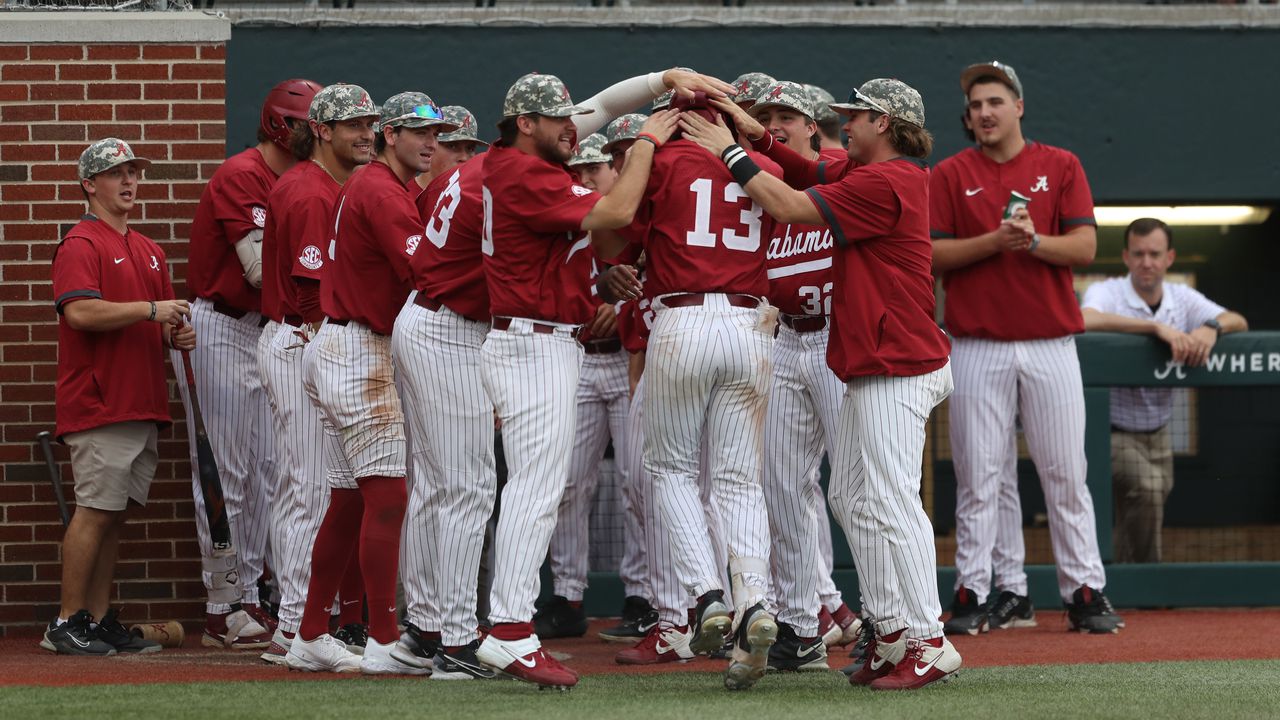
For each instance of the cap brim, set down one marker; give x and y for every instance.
(973, 72)
(451, 137)
(760, 106)
(850, 108)
(424, 122)
(141, 163)
(608, 147)
(574, 162)
(567, 111)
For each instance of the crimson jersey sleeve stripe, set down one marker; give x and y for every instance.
(827, 215)
(936, 234)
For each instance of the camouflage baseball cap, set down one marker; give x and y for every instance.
(542, 95)
(106, 154)
(886, 95)
(626, 127)
(590, 150)
(821, 103)
(1004, 72)
(413, 110)
(341, 102)
(750, 85)
(784, 94)
(462, 119)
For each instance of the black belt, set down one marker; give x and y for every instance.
(601, 347)
(694, 299)
(294, 320)
(343, 322)
(805, 323)
(236, 313)
(425, 302)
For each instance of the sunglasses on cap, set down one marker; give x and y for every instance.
(431, 112)
(859, 98)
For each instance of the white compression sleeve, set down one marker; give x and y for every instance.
(618, 99)
(249, 250)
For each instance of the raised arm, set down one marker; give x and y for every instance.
(623, 97)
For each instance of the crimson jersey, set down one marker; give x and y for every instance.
(296, 236)
(882, 308)
(233, 204)
(798, 265)
(449, 266)
(119, 375)
(1010, 295)
(376, 230)
(635, 322)
(705, 234)
(533, 219)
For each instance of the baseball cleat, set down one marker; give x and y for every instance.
(711, 624)
(968, 616)
(791, 653)
(75, 637)
(1090, 612)
(111, 632)
(757, 632)
(354, 635)
(850, 625)
(461, 663)
(1011, 610)
(638, 617)
(278, 649)
(416, 647)
(524, 659)
(236, 630)
(378, 660)
(925, 662)
(324, 654)
(559, 618)
(883, 653)
(663, 644)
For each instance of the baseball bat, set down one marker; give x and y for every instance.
(215, 505)
(55, 475)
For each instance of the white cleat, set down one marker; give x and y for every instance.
(378, 660)
(324, 654)
(278, 650)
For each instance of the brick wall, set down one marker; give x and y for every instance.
(166, 100)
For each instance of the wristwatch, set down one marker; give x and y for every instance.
(1213, 323)
(1035, 243)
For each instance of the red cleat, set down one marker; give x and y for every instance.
(525, 660)
(883, 653)
(925, 662)
(664, 643)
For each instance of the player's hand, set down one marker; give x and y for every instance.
(712, 137)
(1180, 344)
(605, 323)
(182, 337)
(1009, 237)
(172, 312)
(1204, 339)
(686, 83)
(661, 125)
(747, 125)
(623, 282)
(1022, 221)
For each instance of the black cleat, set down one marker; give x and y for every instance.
(968, 617)
(354, 635)
(757, 633)
(559, 619)
(415, 648)
(1010, 610)
(1090, 612)
(111, 632)
(711, 624)
(638, 617)
(461, 664)
(75, 637)
(792, 654)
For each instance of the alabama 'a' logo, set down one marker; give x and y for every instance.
(775, 92)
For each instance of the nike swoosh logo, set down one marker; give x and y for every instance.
(527, 663)
(78, 641)
(662, 647)
(971, 193)
(349, 602)
(921, 670)
(802, 652)
(119, 260)
(877, 662)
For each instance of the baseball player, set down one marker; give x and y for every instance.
(224, 272)
(1190, 323)
(114, 319)
(349, 375)
(603, 400)
(804, 410)
(449, 153)
(329, 146)
(435, 346)
(534, 218)
(1012, 312)
(886, 348)
(748, 87)
(828, 121)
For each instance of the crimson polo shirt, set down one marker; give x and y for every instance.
(882, 300)
(119, 375)
(1010, 295)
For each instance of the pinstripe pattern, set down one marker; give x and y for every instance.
(1010, 547)
(303, 496)
(454, 479)
(1038, 381)
(602, 406)
(532, 380)
(829, 596)
(238, 420)
(349, 376)
(875, 493)
(709, 368)
(803, 417)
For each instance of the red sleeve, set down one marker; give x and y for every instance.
(399, 230)
(241, 205)
(311, 236)
(797, 171)
(861, 206)
(76, 271)
(1076, 208)
(309, 299)
(551, 202)
(942, 213)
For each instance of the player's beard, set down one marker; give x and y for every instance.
(549, 149)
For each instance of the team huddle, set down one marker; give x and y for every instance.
(721, 289)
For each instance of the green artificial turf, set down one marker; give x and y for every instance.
(1147, 691)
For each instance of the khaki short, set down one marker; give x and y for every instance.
(114, 464)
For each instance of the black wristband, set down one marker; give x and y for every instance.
(741, 166)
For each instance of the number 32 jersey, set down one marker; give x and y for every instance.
(799, 269)
(705, 234)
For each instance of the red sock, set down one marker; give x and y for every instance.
(351, 594)
(512, 631)
(329, 556)
(385, 499)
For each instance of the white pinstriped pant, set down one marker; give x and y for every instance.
(240, 426)
(669, 597)
(300, 503)
(875, 493)
(454, 479)
(1038, 381)
(708, 368)
(602, 406)
(801, 423)
(532, 379)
